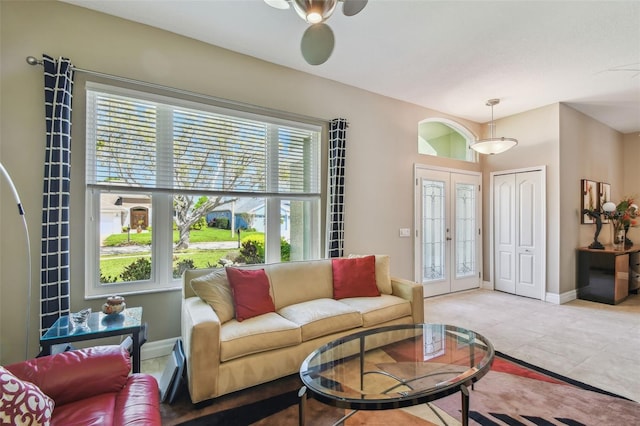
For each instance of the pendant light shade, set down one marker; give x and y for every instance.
(493, 145)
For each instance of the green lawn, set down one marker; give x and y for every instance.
(113, 265)
(204, 235)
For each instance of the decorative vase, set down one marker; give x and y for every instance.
(114, 305)
(618, 238)
(627, 241)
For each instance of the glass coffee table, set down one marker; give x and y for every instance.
(394, 367)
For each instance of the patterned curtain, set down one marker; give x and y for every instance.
(337, 156)
(54, 272)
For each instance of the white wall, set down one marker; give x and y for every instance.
(381, 152)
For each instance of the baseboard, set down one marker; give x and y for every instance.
(487, 285)
(157, 348)
(560, 299)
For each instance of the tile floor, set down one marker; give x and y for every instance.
(594, 343)
(590, 342)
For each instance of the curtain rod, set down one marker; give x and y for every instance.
(32, 60)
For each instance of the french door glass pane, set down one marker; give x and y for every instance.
(465, 230)
(433, 230)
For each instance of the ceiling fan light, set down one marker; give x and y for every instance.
(314, 11)
(314, 18)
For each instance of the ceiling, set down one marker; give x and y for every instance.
(451, 56)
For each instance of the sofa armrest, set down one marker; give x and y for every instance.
(200, 330)
(75, 375)
(414, 293)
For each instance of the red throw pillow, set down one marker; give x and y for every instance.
(250, 290)
(23, 402)
(354, 277)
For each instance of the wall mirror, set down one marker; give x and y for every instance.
(445, 138)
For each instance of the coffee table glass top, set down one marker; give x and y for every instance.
(396, 366)
(97, 323)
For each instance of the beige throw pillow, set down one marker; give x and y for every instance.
(214, 289)
(383, 276)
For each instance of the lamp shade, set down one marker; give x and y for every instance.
(492, 146)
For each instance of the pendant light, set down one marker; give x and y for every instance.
(493, 145)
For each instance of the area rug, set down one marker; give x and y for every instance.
(513, 393)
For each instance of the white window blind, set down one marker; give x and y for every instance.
(148, 145)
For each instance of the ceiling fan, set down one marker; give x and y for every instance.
(318, 40)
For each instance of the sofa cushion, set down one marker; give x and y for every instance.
(214, 289)
(250, 290)
(321, 317)
(354, 277)
(300, 281)
(95, 410)
(377, 310)
(383, 274)
(257, 334)
(23, 402)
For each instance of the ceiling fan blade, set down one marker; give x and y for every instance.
(278, 4)
(353, 7)
(317, 44)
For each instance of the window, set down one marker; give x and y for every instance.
(174, 184)
(445, 138)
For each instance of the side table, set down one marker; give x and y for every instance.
(607, 275)
(99, 325)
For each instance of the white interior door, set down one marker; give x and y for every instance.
(519, 230)
(447, 231)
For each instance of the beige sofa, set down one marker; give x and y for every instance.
(226, 357)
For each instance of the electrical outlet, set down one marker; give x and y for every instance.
(405, 232)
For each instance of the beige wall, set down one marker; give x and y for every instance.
(589, 150)
(538, 140)
(382, 146)
(572, 146)
(631, 175)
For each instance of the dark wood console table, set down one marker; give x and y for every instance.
(607, 275)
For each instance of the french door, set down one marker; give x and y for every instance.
(448, 240)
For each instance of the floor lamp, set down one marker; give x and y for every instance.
(26, 235)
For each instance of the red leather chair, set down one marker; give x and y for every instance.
(93, 387)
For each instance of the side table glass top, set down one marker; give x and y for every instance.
(396, 366)
(97, 323)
